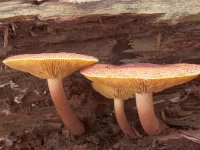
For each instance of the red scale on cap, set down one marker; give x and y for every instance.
(142, 77)
(51, 56)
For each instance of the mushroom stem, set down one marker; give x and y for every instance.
(121, 118)
(63, 107)
(150, 123)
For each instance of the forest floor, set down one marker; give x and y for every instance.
(28, 119)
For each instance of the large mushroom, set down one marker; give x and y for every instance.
(143, 79)
(54, 67)
(119, 95)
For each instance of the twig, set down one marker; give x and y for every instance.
(137, 133)
(5, 44)
(14, 28)
(153, 145)
(163, 115)
(189, 136)
(100, 21)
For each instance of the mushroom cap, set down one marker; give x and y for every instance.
(50, 65)
(111, 92)
(142, 77)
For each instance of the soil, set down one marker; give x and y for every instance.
(30, 122)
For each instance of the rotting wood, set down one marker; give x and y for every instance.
(20, 122)
(176, 10)
(109, 39)
(112, 31)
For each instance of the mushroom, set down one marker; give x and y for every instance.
(119, 95)
(54, 67)
(143, 79)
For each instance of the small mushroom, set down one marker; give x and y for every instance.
(119, 95)
(54, 67)
(143, 79)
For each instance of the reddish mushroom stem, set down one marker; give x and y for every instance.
(150, 123)
(63, 107)
(121, 118)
